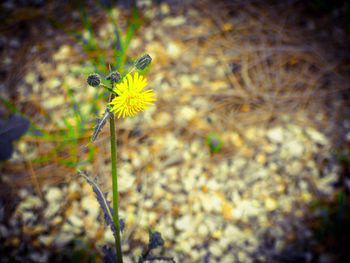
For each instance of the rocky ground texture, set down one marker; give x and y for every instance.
(239, 75)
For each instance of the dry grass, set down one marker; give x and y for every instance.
(276, 69)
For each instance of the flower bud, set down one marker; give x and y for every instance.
(114, 77)
(143, 62)
(94, 80)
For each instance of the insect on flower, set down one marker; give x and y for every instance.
(131, 97)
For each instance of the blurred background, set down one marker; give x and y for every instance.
(244, 157)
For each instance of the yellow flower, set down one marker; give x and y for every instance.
(131, 97)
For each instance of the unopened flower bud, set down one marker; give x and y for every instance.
(143, 62)
(94, 80)
(113, 77)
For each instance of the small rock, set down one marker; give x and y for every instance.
(75, 221)
(53, 83)
(52, 209)
(270, 204)
(126, 181)
(54, 195)
(30, 78)
(294, 168)
(261, 158)
(174, 21)
(216, 249)
(184, 223)
(173, 50)
(53, 102)
(317, 136)
(163, 118)
(203, 230)
(46, 240)
(294, 148)
(276, 134)
(63, 238)
(31, 202)
(164, 8)
(90, 204)
(63, 53)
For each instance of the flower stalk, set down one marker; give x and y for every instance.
(127, 98)
(113, 143)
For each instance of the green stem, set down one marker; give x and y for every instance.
(115, 188)
(107, 88)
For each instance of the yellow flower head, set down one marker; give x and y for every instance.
(131, 97)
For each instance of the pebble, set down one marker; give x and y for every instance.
(90, 204)
(173, 50)
(54, 195)
(75, 221)
(52, 209)
(216, 249)
(63, 53)
(53, 102)
(29, 203)
(174, 21)
(270, 204)
(126, 181)
(295, 168)
(276, 135)
(317, 137)
(63, 238)
(164, 8)
(294, 149)
(46, 240)
(53, 83)
(184, 223)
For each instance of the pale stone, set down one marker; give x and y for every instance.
(317, 136)
(63, 238)
(108, 236)
(294, 148)
(90, 204)
(295, 168)
(174, 21)
(63, 53)
(184, 223)
(52, 209)
(216, 249)
(54, 195)
(75, 221)
(46, 240)
(126, 181)
(164, 8)
(270, 204)
(30, 78)
(276, 134)
(31, 202)
(173, 50)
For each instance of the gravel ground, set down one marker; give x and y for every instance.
(240, 208)
(246, 203)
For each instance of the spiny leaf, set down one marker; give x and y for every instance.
(108, 255)
(155, 240)
(102, 200)
(100, 123)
